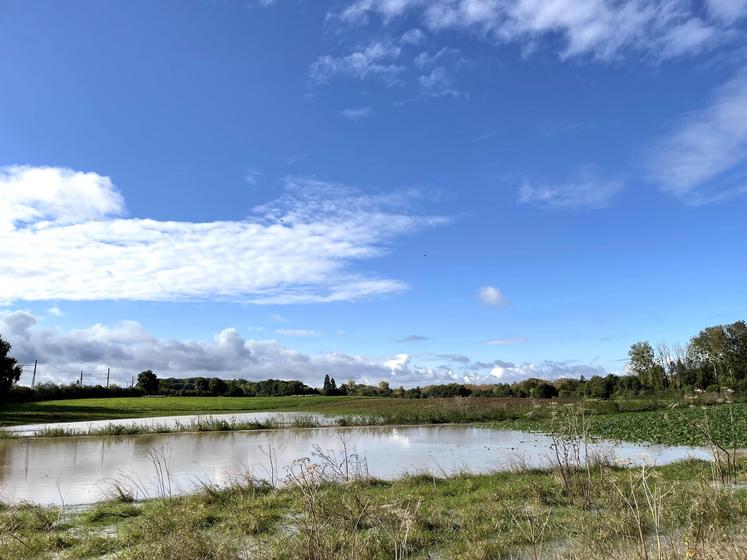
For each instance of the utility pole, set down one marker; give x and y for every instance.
(33, 376)
(132, 382)
(108, 371)
(81, 378)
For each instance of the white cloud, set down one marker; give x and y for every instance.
(505, 341)
(727, 10)
(706, 147)
(356, 114)
(252, 176)
(61, 239)
(375, 60)
(298, 332)
(412, 37)
(585, 192)
(601, 29)
(492, 296)
(55, 311)
(127, 348)
(41, 195)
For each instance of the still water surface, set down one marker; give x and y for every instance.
(81, 470)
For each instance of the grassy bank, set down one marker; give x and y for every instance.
(667, 512)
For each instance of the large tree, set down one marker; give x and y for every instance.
(148, 382)
(723, 349)
(642, 363)
(10, 370)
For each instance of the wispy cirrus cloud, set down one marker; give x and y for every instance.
(356, 114)
(587, 190)
(505, 341)
(63, 237)
(413, 338)
(299, 332)
(704, 157)
(600, 29)
(575, 194)
(377, 59)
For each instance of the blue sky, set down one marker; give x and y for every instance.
(465, 190)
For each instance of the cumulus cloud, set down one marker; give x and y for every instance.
(548, 369)
(601, 29)
(62, 238)
(127, 348)
(491, 296)
(704, 157)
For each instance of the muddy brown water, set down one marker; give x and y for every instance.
(82, 470)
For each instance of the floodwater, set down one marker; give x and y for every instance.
(81, 470)
(282, 418)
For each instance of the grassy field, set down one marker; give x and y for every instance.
(664, 513)
(138, 407)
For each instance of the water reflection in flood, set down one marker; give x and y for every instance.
(81, 470)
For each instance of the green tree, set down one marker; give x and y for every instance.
(723, 350)
(217, 386)
(10, 370)
(642, 363)
(384, 388)
(148, 382)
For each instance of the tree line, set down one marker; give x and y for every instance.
(713, 360)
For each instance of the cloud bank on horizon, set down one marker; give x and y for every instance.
(127, 347)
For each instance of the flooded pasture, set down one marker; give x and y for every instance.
(81, 470)
(168, 423)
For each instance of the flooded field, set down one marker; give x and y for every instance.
(80, 470)
(173, 422)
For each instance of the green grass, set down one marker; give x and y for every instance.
(469, 517)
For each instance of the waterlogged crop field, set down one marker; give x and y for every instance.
(672, 425)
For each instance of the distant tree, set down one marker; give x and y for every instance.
(384, 388)
(217, 386)
(545, 390)
(202, 385)
(723, 348)
(329, 386)
(148, 382)
(643, 364)
(10, 370)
